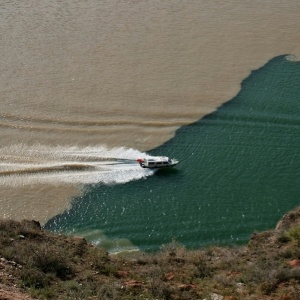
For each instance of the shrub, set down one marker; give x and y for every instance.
(267, 287)
(203, 268)
(107, 292)
(173, 249)
(285, 275)
(263, 270)
(43, 293)
(101, 263)
(81, 247)
(35, 278)
(49, 260)
(294, 234)
(283, 238)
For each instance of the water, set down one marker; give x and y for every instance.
(90, 165)
(88, 85)
(238, 172)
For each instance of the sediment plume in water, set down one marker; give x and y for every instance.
(120, 74)
(128, 74)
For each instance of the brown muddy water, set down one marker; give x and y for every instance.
(82, 81)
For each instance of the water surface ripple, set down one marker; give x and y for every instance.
(238, 172)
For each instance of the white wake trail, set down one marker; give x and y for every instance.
(22, 165)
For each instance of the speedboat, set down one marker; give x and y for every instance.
(155, 162)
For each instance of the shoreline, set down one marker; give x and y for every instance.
(59, 266)
(65, 193)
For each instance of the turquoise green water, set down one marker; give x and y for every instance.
(238, 173)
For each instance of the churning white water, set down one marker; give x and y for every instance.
(21, 165)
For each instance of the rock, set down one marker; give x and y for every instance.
(240, 287)
(186, 287)
(11, 262)
(133, 283)
(169, 276)
(294, 263)
(289, 219)
(215, 296)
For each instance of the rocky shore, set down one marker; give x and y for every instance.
(36, 264)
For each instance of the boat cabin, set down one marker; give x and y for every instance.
(157, 162)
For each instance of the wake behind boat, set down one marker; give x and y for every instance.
(157, 162)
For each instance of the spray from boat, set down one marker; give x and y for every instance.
(22, 164)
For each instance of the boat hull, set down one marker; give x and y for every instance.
(160, 167)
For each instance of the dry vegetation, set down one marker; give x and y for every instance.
(48, 266)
